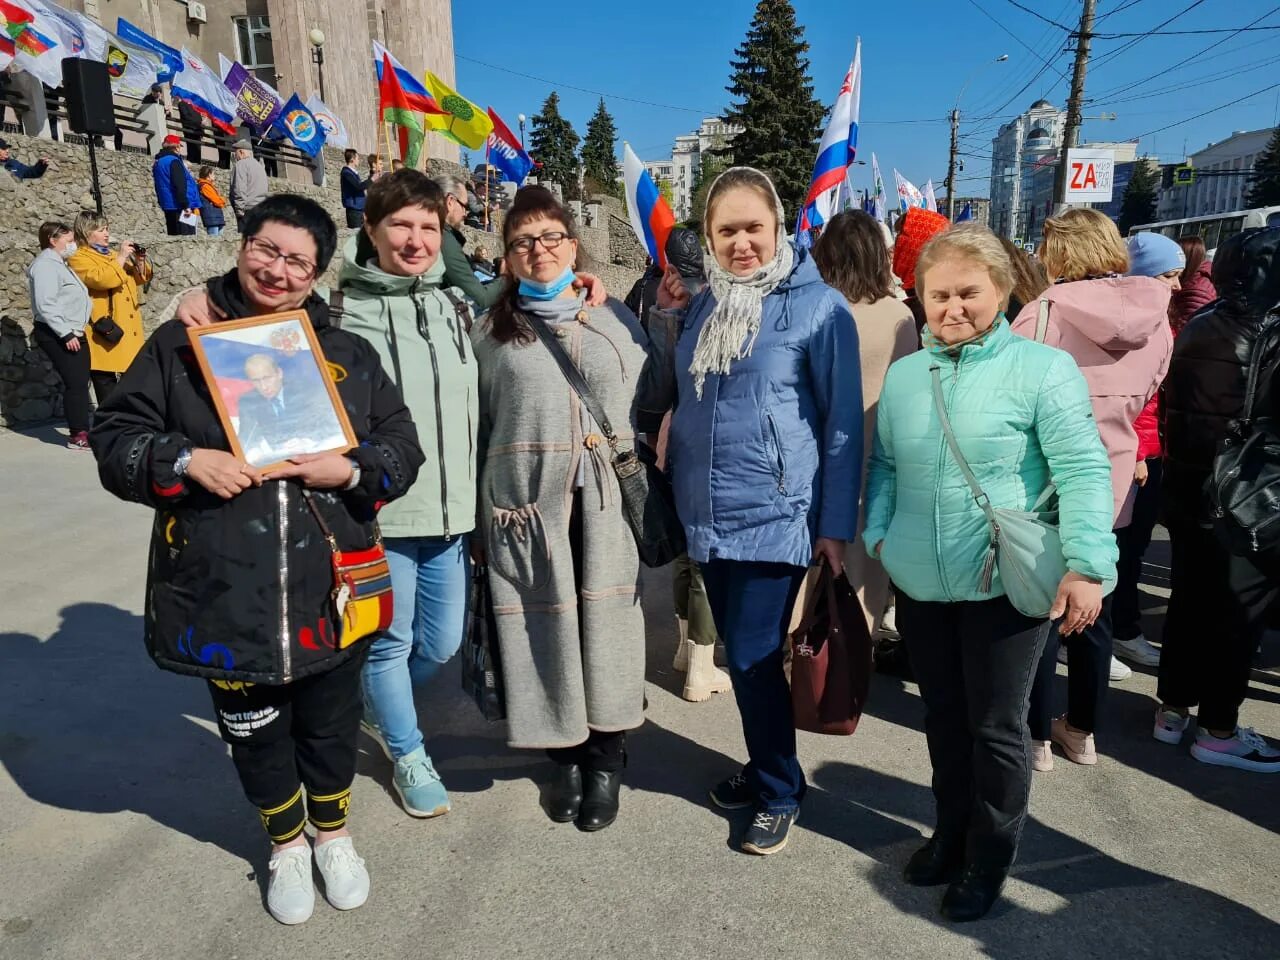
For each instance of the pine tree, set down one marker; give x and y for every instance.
(777, 108)
(599, 159)
(1139, 202)
(554, 143)
(1264, 189)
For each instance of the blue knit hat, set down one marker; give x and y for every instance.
(1151, 254)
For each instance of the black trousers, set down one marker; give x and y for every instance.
(355, 218)
(1218, 610)
(287, 738)
(975, 662)
(1133, 540)
(104, 382)
(1088, 676)
(174, 228)
(603, 749)
(73, 369)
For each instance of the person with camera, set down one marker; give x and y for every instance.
(112, 277)
(60, 306)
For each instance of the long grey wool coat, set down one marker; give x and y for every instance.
(571, 664)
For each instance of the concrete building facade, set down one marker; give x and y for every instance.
(1018, 153)
(686, 159)
(1232, 158)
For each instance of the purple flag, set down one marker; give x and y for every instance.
(256, 103)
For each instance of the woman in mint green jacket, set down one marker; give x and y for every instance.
(1020, 411)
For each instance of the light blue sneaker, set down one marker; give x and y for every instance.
(419, 786)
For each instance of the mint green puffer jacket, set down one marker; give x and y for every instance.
(1021, 413)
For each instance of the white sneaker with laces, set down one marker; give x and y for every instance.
(346, 881)
(1138, 650)
(1245, 750)
(1170, 726)
(1119, 670)
(291, 895)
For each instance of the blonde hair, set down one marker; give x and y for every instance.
(968, 241)
(1082, 243)
(87, 222)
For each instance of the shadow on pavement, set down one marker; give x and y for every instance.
(1106, 903)
(88, 723)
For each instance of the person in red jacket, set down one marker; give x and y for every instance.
(1150, 255)
(1195, 289)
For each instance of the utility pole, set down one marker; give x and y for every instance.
(1075, 105)
(951, 164)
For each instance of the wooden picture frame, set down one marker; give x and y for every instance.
(271, 368)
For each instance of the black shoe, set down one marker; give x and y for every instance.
(970, 897)
(599, 799)
(768, 832)
(936, 863)
(565, 797)
(732, 794)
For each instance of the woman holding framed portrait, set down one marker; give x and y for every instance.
(266, 577)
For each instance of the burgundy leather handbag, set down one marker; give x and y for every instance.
(831, 657)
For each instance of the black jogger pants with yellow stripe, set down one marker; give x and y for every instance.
(294, 746)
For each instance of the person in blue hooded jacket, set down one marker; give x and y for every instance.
(766, 458)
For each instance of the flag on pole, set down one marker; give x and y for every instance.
(300, 127)
(170, 59)
(196, 84)
(966, 213)
(835, 151)
(505, 151)
(30, 37)
(416, 97)
(396, 106)
(13, 20)
(224, 67)
(256, 103)
(335, 131)
(460, 120)
(878, 209)
(908, 194)
(930, 201)
(133, 70)
(651, 217)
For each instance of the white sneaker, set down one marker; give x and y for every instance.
(1119, 670)
(1245, 750)
(291, 896)
(1138, 650)
(1170, 726)
(346, 881)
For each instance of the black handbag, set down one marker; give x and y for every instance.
(648, 503)
(105, 326)
(481, 658)
(1243, 488)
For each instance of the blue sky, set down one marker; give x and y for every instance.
(662, 67)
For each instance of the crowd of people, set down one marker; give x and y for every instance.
(872, 404)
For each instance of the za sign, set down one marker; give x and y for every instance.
(1090, 175)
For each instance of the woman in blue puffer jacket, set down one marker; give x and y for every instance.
(766, 457)
(1021, 414)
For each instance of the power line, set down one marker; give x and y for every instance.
(1131, 3)
(1182, 33)
(1133, 43)
(1228, 74)
(1039, 16)
(1021, 71)
(1018, 39)
(1221, 106)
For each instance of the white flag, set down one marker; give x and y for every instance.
(133, 71)
(909, 194)
(42, 46)
(930, 201)
(335, 131)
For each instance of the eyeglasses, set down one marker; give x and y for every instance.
(263, 252)
(549, 242)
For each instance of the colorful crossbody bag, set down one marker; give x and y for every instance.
(361, 585)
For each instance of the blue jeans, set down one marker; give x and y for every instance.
(213, 231)
(751, 604)
(429, 579)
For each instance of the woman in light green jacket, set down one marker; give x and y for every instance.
(1021, 414)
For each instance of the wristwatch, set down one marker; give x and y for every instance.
(355, 475)
(182, 462)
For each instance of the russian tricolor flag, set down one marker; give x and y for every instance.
(651, 217)
(418, 96)
(836, 151)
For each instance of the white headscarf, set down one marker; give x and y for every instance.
(730, 332)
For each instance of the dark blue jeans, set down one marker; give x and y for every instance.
(751, 604)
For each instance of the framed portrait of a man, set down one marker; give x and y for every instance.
(272, 387)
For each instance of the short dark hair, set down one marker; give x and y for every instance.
(206, 172)
(348, 155)
(295, 210)
(400, 189)
(50, 231)
(852, 257)
(373, 158)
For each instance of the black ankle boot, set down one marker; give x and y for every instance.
(937, 862)
(599, 799)
(970, 897)
(564, 799)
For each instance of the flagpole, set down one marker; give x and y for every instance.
(386, 132)
(487, 187)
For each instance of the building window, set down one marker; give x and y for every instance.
(253, 42)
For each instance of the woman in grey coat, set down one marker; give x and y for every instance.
(563, 567)
(60, 304)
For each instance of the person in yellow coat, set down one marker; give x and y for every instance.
(112, 277)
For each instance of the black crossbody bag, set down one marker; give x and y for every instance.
(648, 504)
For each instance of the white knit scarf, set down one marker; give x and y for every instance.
(730, 332)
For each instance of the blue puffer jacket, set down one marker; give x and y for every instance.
(770, 457)
(176, 188)
(1021, 414)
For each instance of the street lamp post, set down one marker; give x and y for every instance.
(955, 135)
(316, 36)
(521, 118)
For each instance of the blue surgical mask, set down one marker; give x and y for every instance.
(536, 290)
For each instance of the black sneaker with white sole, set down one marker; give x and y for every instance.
(768, 832)
(732, 794)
